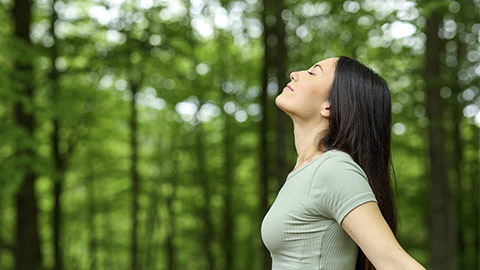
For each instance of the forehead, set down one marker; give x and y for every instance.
(328, 64)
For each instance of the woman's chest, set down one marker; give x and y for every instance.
(291, 220)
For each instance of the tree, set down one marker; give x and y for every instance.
(27, 243)
(264, 127)
(441, 218)
(144, 134)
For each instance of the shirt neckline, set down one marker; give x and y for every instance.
(291, 174)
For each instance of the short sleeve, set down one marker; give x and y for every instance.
(338, 186)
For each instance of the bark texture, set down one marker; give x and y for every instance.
(27, 241)
(441, 218)
(59, 159)
(263, 129)
(228, 212)
(134, 177)
(205, 212)
(280, 62)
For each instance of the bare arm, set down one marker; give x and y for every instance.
(367, 227)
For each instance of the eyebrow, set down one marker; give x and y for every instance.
(318, 65)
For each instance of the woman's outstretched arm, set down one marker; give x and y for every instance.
(367, 227)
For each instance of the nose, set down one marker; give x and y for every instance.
(293, 76)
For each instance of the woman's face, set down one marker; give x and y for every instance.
(306, 96)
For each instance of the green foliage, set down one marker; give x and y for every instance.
(197, 66)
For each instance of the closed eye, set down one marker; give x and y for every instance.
(309, 72)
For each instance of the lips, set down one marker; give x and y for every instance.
(288, 87)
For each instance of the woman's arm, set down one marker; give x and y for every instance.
(367, 227)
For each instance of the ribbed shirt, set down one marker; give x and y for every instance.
(302, 228)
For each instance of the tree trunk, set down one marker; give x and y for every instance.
(202, 177)
(274, 64)
(91, 213)
(228, 214)
(457, 157)
(58, 180)
(205, 210)
(228, 173)
(134, 178)
(441, 218)
(263, 142)
(465, 188)
(58, 160)
(151, 224)
(170, 198)
(458, 152)
(27, 240)
(475, 202)
(282, 119)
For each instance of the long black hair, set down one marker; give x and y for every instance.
(360, 125)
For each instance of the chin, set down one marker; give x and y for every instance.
(282, 104)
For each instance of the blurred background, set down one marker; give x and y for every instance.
(142, 134)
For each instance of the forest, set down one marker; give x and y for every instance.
(143, 134)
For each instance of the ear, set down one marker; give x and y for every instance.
(325, 112)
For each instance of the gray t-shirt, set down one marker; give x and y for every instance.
(302, 228)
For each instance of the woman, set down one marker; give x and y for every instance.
(338, 196)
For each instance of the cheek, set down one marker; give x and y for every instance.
(310, 103)
(310, 107)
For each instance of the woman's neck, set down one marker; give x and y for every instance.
(306, 139)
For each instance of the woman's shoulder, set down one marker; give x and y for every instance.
(338, 186)
(335, 155)
(336, 160)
